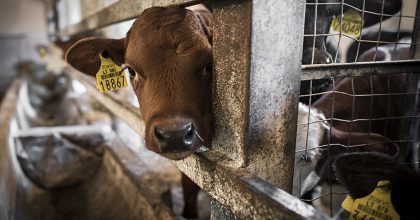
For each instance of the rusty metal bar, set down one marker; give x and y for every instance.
(244, 194)
(122, 10)
(231, 78)
(358, 69)
(255, 123)
(275, 72)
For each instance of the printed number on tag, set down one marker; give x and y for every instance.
(110, 76)
(375, 206)
(352, 23)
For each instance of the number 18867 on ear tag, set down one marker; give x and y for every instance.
(110, 76)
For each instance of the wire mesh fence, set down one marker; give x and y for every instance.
(342, 31)
(351, 109)
(372, 113)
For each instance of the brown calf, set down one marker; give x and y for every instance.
(168, 54)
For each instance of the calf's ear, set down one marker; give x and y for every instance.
(205, 17)
(360, 172)
(84, 55)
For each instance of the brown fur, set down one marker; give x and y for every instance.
(380, 104)
(170, 50)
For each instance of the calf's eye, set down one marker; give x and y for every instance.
(131, 72)
(208, 69)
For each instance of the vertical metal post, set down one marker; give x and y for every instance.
(414, 128)
(276, 54)
(231, 51)
(257, 47)
(416, 33)
(256, 86)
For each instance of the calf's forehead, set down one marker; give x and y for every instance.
(160, 35)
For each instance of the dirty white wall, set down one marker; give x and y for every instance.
(22, 25)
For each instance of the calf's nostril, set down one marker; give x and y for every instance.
(160, 133)
(189, 132)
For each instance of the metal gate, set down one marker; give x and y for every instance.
(257, 74)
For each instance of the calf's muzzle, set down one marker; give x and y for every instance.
(175, 137)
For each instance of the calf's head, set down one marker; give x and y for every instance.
(168, 55)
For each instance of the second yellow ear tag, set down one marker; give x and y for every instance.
(110, 76)
(42, 52)
(375, 206)
(352, 23)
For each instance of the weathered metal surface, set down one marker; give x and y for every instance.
(247, 196)
(218, 212)
(414, 127)
(358, 69)
(122, 10)
(416, 34)
(276, 53)
(231, 45)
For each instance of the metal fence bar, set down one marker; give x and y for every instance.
(255, 123)
(358, 69)
(276, 54)
(414, 106)
(122, 10)
(231, 78)
(249, 197)
(416, 34)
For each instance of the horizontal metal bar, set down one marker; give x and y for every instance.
(248, 195)
(321, 71)
(361, 95)
(122, 10)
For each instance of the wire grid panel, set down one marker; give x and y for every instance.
(338, 31)
(357, 114)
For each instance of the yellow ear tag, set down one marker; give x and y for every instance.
(42, 52)
(375, 206)
(352, 23)
(110, 76)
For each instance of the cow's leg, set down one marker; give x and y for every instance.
(190, 191)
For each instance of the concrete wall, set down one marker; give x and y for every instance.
(22, 25)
